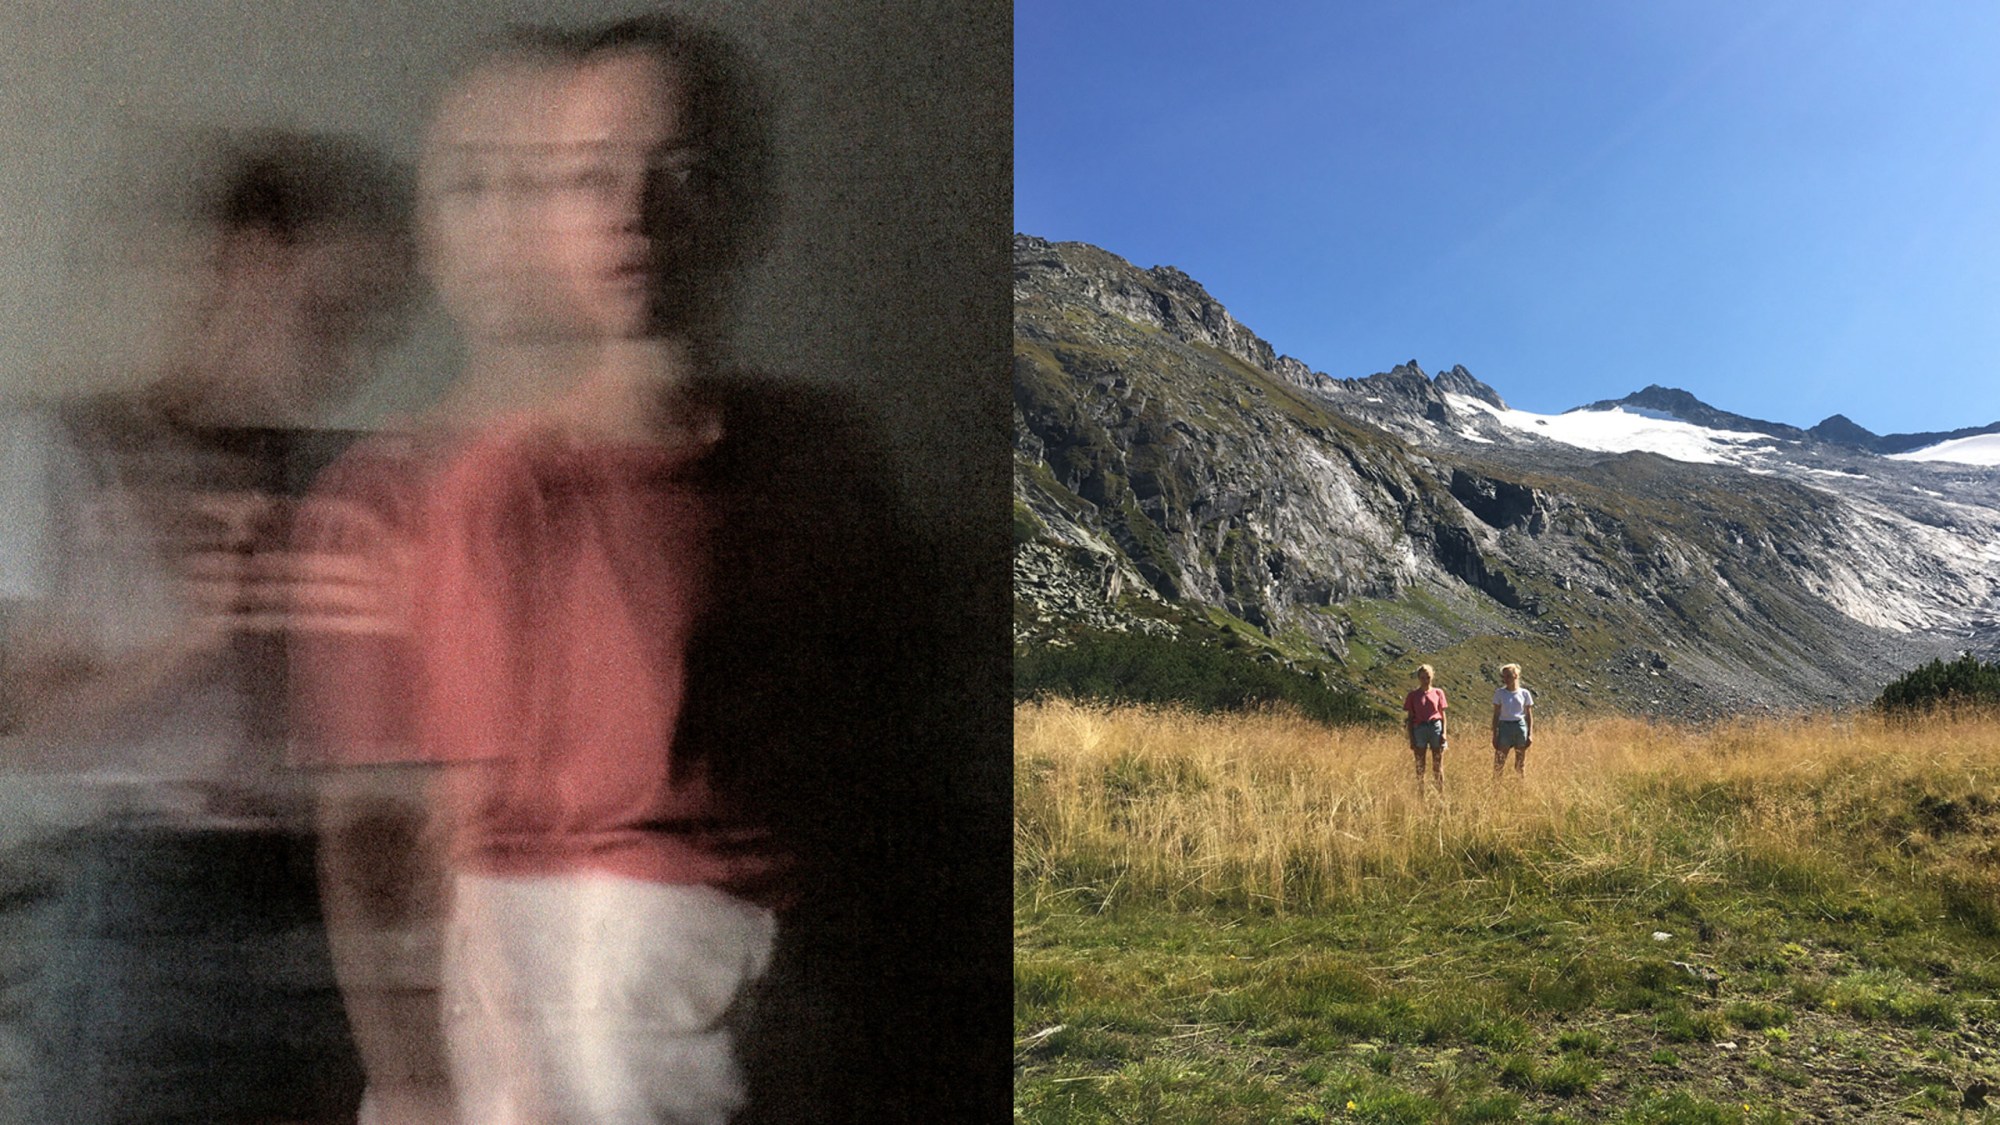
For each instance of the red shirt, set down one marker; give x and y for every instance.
(553, 592)
(1424, 706)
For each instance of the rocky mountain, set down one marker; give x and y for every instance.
(1175, 475)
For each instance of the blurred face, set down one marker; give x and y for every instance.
(1424, 680)
(1510, 678)
(483, 200)
(287, 317)
(624, 230)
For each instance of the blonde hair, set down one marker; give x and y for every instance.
(1427, 670)
(1514, 668)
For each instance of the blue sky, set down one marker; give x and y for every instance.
(1790, 209)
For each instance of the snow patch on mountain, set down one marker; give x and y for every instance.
(1629, 430)
(1980, 449)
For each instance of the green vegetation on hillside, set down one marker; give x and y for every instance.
(1966, 682)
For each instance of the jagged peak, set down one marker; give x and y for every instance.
(1407, 378)
(1664, 397)
(1410, 379)
(1163, 296)
(1462, 382)
(1839, 429)
(1176, 282)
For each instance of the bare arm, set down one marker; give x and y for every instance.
(384, 894)
(384, 886)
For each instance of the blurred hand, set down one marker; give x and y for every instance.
(354, 578)
(241, 574)
(327, 591)
(214, 539)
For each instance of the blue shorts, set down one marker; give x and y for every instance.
(1511, 733)
(1427, 735)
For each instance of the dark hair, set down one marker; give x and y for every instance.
(291, 184)
(300, 188)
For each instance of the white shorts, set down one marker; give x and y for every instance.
(595, 998)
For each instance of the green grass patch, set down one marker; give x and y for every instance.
(1756, 1015)
(1884, 994)
(1583, 1041)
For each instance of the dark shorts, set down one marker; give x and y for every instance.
(1511, 733)
(184, 976)
(1429, 735)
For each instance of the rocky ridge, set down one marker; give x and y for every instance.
(1837, 429)
(1174, 473)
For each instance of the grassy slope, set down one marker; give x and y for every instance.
(1231, 919)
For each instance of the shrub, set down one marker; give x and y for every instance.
(1965, 682)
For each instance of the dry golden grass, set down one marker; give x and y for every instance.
(1272, 809)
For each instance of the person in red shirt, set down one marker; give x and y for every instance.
(1424, 714)
(583, 603)
(620, 680)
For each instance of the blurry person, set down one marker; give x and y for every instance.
(175, 966)
(637, 611)
(480, 204)
(1513, 720)
(1424, 715)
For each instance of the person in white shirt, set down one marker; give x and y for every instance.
(1513, 720)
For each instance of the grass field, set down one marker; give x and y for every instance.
(1258, 919)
